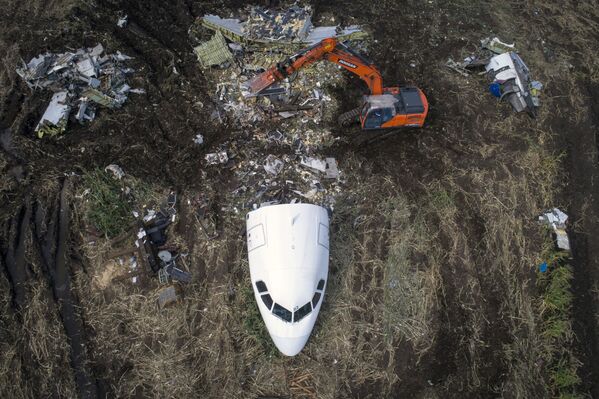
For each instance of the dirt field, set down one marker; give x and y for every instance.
(433, 287)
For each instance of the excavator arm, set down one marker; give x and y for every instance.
(329, 49)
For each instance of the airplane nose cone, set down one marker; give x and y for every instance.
(290, 346)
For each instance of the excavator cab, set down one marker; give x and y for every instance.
(405, 106)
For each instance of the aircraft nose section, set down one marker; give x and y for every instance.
(290, 346)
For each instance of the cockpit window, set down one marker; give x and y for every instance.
(320, 285)
(315, 299)
(261, 287)
(302, 312)
(281, 312)
(267, 300)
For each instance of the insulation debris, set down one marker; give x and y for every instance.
(79, 79)
(214, 52)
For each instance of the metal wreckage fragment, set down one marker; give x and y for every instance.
(81, 80)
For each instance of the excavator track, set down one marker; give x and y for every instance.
(349, 117)
(364, 138)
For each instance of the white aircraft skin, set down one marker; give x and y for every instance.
(288, 251)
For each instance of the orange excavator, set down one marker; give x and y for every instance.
(384, 108)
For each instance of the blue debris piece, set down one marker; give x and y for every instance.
(543, 267)
(495, 89)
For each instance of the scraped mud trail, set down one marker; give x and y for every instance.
(474, 179)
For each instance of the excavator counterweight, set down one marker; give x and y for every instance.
(385, 107)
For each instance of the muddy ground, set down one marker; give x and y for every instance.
(449, 211)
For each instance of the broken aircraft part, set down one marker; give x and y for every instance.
(288, 251)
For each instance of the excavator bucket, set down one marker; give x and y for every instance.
(259, 82)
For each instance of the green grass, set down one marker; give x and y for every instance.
(253, 323)
(109, 211)
(556, 327)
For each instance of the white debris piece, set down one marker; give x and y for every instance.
(122, 21)
(151, 214)
(273, 165)
(87, 68)
(216, 158)
(556, 219)
(497, 46)
(116, 171)
(331, 172)
(314, 163)
(198, 139)
(57, 114)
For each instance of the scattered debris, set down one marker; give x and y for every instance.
(77, 78)
(497, 46)
(291, 28)
(556, 219)
(543, 267)
(509, 75)
(287, 24)
(217, 158)
(116, 171)
(288, 115)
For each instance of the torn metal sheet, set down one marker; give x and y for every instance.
(214, 52)
(86, 111)
(55, 118)
(314, 163)
(87, 67)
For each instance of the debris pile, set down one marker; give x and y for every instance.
(280, 155)
(289, 28)
(81, 80)
(510, 77)
(288, 24)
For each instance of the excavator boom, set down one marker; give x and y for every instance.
(329, 49)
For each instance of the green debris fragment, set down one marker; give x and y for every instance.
(214, 52)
